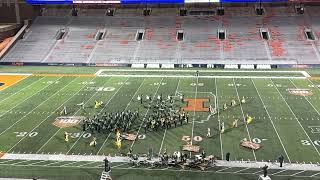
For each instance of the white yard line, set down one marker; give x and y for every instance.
(29, 111)
(124, 110)
(37, 162)
(103, 143)
(106, 104)
(26, 98)
(69, 163)
(296, 118)
(73, 114)
(297, 173)
(52, 163)
(218, 114)
(306, 98)
(315, 174)
(153, 97)
(53, 95)
(20, 89)
(265, 108)
(20, 162)
(244, 118)
(241, 170)
(194, 110)
(224, 169)
(278, 172)
(85, 164)
(165, 131)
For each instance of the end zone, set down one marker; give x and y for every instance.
(9, 79)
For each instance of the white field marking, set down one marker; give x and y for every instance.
(244, 118)
(85, 164)
(224, 169)
(53, 163)
(123, 110)
(315, 174)
(194, 112)
(47, 116)
(29, 111)
(4, 162)
(257, 172)
(228, 71)
(20, 89)
(37, 162)
(73, 114)
(209, 116)
(69, 163)
(306, 98)
(296, 119)
(278, 172)
(265, 108)
(153, 97)
(103, 143)
(119, 165)
(165, 131)
(201, 76)
(241, 170)
(297, 173)
(218, 113)
(25, 99)
(98, 113)
(20, 162)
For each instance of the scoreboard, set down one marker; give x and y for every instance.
(153, 1)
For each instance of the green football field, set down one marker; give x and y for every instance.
(285, 106)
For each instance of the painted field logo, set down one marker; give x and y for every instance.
(196, 105)
(300, 92)
(68, 121)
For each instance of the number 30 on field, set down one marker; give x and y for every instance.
(23, 134)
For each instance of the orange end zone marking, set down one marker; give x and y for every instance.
(9, 80)
(2, 154)
(196, 105)
(70, 75)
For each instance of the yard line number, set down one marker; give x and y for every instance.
(308, 143)
(23, 134)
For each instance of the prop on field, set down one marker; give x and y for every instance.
(68, 121)
(249, 144)
(300, 92)
(191, 148)
(98, 104)
(130, 137)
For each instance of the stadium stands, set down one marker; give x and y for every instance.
(128, 37)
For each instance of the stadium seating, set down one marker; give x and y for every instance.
(199, 43)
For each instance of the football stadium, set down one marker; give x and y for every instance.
(160, 89)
